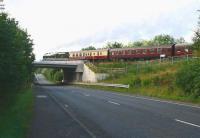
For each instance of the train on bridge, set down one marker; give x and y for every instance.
(124, 53)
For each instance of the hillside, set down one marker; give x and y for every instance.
(150, 78)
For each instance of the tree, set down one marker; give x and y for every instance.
(196, 38)
(89, 48)
(163, 40)
(140, 43)
(114, 45)
(180, 40)
(16, 55)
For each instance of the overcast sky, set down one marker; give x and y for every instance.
(65, 25)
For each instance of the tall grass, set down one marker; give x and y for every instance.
(16, 115)
(153, 79)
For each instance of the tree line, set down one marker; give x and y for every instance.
(188, 77)
(16, 56)
(158, 40)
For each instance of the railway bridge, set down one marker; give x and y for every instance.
(72, 70)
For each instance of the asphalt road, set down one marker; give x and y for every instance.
(68, 111)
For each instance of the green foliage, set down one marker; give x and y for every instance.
(89, 48)
(58, 76)
(196, 38)
(15, 118)
(180, 40)
(188, 78)
(16, 55)
(137, 82)
(114, 45)
(157, 40)
(54, 75)
(163, 40)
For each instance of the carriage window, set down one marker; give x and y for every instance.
(76, 54)
(159, 50)
(151, 50)
(93, 54)
(100, 53)
(138, 51)
(133, 51)
(144, 51)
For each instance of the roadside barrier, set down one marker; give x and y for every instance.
(103, 84)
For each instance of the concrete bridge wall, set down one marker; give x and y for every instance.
(74, 71)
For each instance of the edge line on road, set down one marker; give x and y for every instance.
(184, 122)
(113, 103)
(72, 116)
(156, 100)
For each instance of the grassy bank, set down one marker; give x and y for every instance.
(16, 115)
(149, 79)
(53, 75)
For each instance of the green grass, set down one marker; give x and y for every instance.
(16, 115)
(149, 79)
(150, 92)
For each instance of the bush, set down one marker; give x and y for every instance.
(54, 75)
(136, 82)
(16, 56)
(188, 78)
(156, 81)
(146, 82)
(58, 76)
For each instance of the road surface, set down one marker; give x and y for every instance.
(69, 111)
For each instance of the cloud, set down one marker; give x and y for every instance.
(73, 24)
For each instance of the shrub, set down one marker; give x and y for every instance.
(188, 78)
(58, 76)
(136, 82)
(16, 56)
(146, 82)
(156, 81)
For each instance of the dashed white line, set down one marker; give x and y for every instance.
(156, 100)
(66, 105)
(86, 94)
(113, 102)
(184, 122)
(41, 96)
(72, 116)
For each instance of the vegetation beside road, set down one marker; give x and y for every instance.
(16, 73)
(165, 80)
(53, 75)
(16, 113)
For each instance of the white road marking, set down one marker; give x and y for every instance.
(156, 100)
(114, 103)
(41, 96)
(72, 116)
(86, 94)
(66, 105)
(184, 122)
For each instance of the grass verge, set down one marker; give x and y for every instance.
(15, 117)
(150, 79)
(149, 92)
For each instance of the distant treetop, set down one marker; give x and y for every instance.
(89, 48)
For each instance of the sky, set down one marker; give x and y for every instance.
(68, 25)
